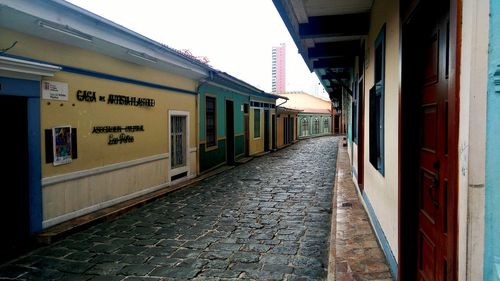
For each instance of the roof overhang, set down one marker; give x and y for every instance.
(17, 68)
(328, 35)
(60, 21)
(222, 78)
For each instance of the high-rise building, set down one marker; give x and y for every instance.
(279, 67)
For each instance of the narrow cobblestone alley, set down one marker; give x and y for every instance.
(268, 219)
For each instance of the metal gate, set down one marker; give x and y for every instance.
(178, 141)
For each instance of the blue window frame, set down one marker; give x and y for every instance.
(377, 105)
(210, 121)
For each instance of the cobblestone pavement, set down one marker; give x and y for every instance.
(266, 220)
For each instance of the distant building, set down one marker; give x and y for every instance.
(286, 124)
(279, 69)
(315, 114)
(235, 121)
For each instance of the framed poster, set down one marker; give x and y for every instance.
(61, 140)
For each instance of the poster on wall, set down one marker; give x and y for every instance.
(61, 139)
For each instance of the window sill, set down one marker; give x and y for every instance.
(210, 148)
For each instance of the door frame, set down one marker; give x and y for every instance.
(30, 88)
(274, 132)
(408, 206)
(186, 168)
(246, 128)
(267, 117)
(361, 132)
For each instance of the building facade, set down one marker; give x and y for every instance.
(225, 104)
(417, 85)
(286, 125)
(97, 114)
(95, 125)
(262, 124)
(279, 69)
(315, 114)
(314, 124)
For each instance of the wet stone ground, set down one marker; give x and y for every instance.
(268, 219)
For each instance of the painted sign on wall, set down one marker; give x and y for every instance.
(52, 90)
(90, 96)
(116, 133)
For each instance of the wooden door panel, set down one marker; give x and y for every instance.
(429, 141)
(432, 244)
(427, 260)
(428, 95)
(432, 64)
(429, 135)
(445, 206)
(429, 195)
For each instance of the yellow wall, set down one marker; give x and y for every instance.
(382, 191)
(280, 127)
(303, 100)
(256, 145)
(93, 149)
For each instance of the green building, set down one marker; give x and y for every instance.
(313, 124)
(235, 120)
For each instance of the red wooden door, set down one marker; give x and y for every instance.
(433, 153)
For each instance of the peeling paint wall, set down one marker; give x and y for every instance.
(492, 209)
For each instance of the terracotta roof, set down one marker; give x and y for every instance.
(282, 108)
(316, 110)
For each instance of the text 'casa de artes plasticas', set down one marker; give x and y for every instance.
(89, 96)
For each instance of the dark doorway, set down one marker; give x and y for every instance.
(336, 124)
(428, 141)
(273, 123)
(285, 130)
(229, 132)
(246, 125)
(14, 204)
(266, 130)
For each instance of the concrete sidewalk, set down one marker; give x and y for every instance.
(355, 253)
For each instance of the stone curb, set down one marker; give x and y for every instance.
(333, 229)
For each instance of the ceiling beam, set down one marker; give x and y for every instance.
(338, 75)
(335, 93)
(334, 49)
(338, 62)
(335, 25)
(339, 81)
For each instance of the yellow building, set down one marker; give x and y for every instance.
(262, 125)
(101, 113)
(286, 124)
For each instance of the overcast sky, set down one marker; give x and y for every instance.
(237, 36)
